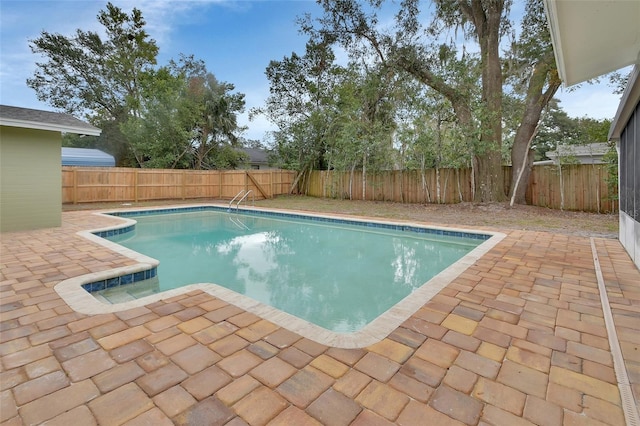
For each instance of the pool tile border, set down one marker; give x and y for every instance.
(126, 279)
(290, 215)
(75, 292)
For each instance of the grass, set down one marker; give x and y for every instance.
(493, 215)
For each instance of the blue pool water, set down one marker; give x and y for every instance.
(339, 276)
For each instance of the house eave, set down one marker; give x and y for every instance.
(25, 124)
(630, 99)
(593, 38)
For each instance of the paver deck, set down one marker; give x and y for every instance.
(518, 338)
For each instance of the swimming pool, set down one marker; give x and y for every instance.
(323, 274)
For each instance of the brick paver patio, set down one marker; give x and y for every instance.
(517, 339)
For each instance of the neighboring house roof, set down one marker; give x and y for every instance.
(592, 38)
(86, 157)
(27, 118)
(256, 155)
(588, 153)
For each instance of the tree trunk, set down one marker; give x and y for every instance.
(537, 99)
(486, 18)
(444, 189)
(473, 178)
(353, 168)
(520, 178)
(296, 180)
(364, 176)
(438, 198)
(425, 187)
(488, 179)
(401, 177)
(308, 182)
(561, 182)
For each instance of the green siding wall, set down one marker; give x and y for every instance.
(30, 179)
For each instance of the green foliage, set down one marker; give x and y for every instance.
(177, 116)
(73, 140)
(360, 133)
(593, 130)
(619, 81)
(329, 116)
(470, 82)
(531, 77)
(216, 108)
(428, 132)
(611, 158)
(300, 104)
(558, 128)
(158, 134)
(95, 78)
(186, 119)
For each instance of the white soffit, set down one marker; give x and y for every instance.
(593, 37)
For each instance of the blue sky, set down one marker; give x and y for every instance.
(236, 39)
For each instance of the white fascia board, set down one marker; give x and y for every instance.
(554, 28)
(628, 102)
(91, 131)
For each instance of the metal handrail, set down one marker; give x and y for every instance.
(234, 198)
(244, 197)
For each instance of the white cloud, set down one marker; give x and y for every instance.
(163, 18)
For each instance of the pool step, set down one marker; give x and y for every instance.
(128, 292)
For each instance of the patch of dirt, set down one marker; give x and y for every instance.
(493, 215)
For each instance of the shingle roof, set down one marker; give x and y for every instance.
(589, 150)
(44, 120)
(257, 156)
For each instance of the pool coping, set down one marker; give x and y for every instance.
(82, 301)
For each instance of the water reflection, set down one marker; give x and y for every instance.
(254, 259)
(334, 276)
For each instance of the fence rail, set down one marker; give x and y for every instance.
(584, 186)
(115, 184)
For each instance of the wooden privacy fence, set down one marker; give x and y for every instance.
(585, 186)
(114, 184)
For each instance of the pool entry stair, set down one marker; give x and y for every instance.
(243, 194)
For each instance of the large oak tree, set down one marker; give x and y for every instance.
(412, 46)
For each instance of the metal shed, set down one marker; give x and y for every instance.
(86, 157)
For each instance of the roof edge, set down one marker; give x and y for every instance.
(88, 130)
(627, 105)
(556, 39)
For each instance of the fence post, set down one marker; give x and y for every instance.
(391, 185)
(75, 186)
(135, 185)
(184, 183)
